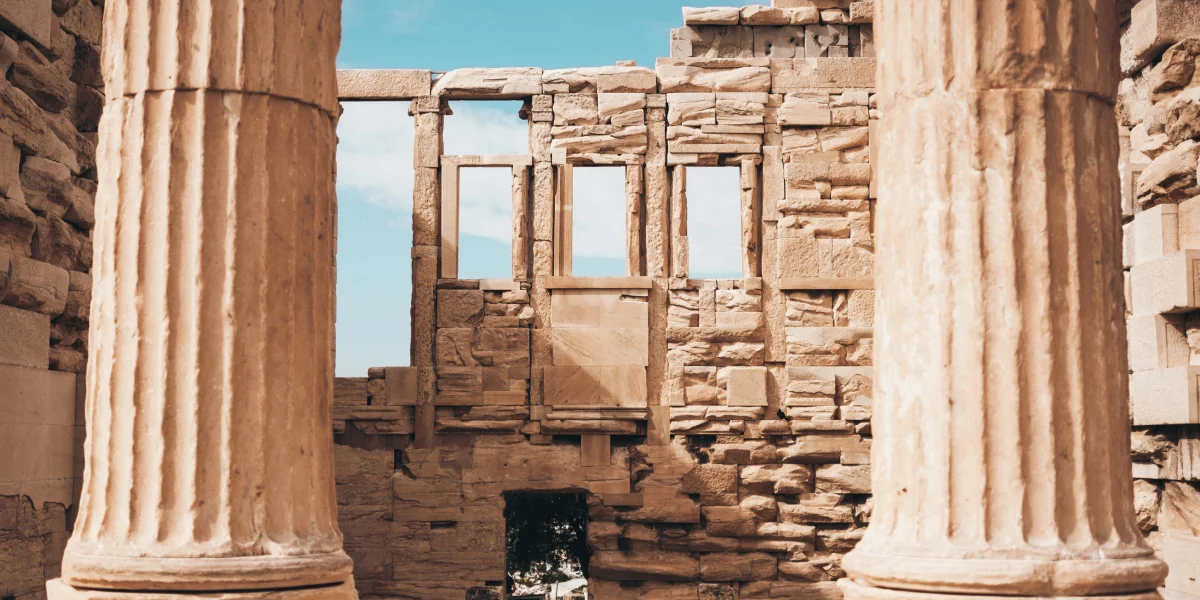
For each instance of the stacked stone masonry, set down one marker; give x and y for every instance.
(1159, 107)
(740, 468)
(720, 428)
(51, 97)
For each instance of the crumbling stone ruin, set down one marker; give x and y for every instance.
(51, 97)
(720, 429)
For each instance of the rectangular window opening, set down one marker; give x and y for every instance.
(546, 551)
(374, 220)
(599, 229)
(714, 222)
(485, 222)
(485, 127)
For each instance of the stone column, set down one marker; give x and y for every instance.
(209, 436)
(1001, 456)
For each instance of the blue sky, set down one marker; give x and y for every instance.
(375, 152)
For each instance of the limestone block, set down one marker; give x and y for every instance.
(459, 308)
(402, 386)
(383, 84)
(747, 386)
(1171, 176)
(1180, 509)
(23, 120)
(597, 308)
(691, 109)
(797, 112)
(862, 12)
(825, 41)
(594, 386)
(780, 42)
(1165, 396)
(37, 286)
(684, 78)
(777, 479)
(1165, 285)
(844, 479)
(1157, 342)
(626, 80)
(1188, 221)
(24, 338)
(600, 347)
(613, 141)
(1182, 554)
(32, 18)
(764, 15)
(1155, 25)
(48, 86)
(817, 508)
(719, 566)
(712, 41)
(575, 109)
(711, 16)
(649, 566)
(716, 484)
(744, 108)
(1176, 69)
(496, 84)
(803, 15)
(679, 136)
(610, 105)
(799, 74)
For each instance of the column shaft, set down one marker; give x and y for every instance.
(209, 447)
(1001, 431)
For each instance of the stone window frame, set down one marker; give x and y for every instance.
(750, 208)
(635, 217)
(521, 166)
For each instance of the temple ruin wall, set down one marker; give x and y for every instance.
(721, 428)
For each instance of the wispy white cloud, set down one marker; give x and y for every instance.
(407, 15)
(375, 161)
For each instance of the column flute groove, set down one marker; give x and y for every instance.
(1001, 429)
(209, 444)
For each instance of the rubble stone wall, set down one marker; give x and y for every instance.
(51, 97)
(1159, 106)
(720, 428)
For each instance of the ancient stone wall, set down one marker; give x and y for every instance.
(50, 103)
(1160, 107)
(719, 427)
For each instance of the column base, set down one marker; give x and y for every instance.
(852, 590)
(57, 589)
(1031, 577)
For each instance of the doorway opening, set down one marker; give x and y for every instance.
(546, 551)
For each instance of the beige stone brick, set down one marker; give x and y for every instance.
(24, 338)
(1165, 396)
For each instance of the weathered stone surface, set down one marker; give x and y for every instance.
(658, 566)
(37, 286)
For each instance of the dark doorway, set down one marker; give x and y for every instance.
(546, 541)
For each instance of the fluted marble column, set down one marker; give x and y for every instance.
(1001, 456)
(209, 446)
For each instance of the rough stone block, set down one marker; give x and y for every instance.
(37, 286)
(1165, 396)
(32, 18)
(617, 386)
(747, 386)
(1165, 285)
(24, 338)
(1155, 25)
(383, 84)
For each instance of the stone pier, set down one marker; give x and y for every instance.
(209, 456)
(1001, 425)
